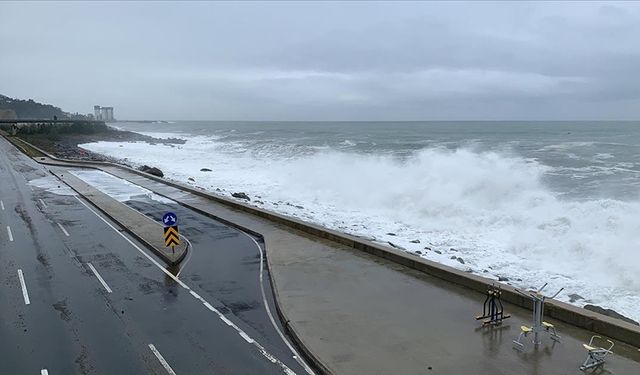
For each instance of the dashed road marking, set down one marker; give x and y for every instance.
(44, 372)
(25, 294)
(246, 337)
(260, 348)
(2, 205)
(63, 230)
(194, 294)
(163, 362)
(10, 234)
(95, 272)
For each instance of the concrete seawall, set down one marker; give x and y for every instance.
(573, 315)
(48, 126)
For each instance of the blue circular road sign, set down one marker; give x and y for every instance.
(169, 219)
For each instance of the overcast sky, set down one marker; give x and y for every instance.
(326, 61)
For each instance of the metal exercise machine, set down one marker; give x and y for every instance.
(539, 325)
(492, 310)
(595, 355)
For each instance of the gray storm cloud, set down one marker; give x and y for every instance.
(326, 61)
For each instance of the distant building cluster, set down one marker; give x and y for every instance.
(103, 113)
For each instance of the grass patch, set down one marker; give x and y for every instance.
(25, 148)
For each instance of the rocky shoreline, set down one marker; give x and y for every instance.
(66, 146)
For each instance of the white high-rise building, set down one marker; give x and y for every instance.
(107, 113)
(103, 113)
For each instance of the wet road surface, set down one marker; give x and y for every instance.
(99, 302)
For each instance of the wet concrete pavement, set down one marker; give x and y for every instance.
(73, 324)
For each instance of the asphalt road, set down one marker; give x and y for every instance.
(79, 296)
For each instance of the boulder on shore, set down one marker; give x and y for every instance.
(241, 196)
(395, 246)
(574, 297)
(151, 170)
(609, 312)
(205, 170)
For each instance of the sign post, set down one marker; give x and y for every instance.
(171, 232)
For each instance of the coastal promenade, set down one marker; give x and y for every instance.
(356, 313)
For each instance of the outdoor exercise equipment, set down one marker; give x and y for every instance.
(492, 310)
(595, 355)
(539, 325)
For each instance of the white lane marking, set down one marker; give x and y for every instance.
(42, 203)
(246, 337)
(194, 294)
(261, 349)
(44, 372)
(296, 356)
(10, 234)
(63, 230)
(227, 321)
(95, 272)
(25, 294)
(163, 362)
(2, 205)
(208, 306)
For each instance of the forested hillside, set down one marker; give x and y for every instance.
(30, 109)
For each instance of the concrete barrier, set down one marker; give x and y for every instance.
(579, 317)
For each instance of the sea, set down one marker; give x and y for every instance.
(527, 203)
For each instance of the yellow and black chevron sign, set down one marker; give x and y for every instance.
(171, 236)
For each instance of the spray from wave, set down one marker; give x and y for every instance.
(486, 212)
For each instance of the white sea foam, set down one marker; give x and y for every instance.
(603, 156)
(348, 143)
(52, 185)
(491, 209)
(115, 187)
(160, 135)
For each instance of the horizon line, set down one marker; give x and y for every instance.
(548, 120)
